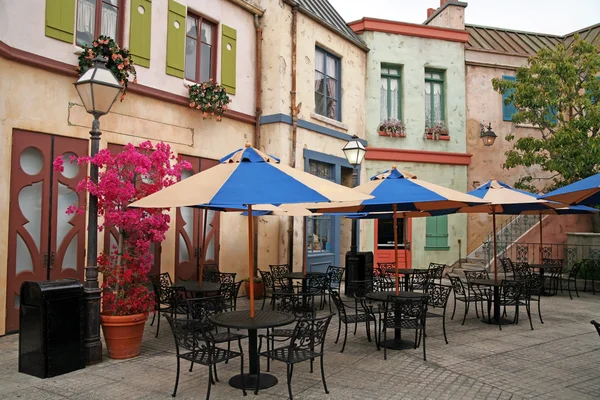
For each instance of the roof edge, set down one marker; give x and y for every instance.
(442, 8)
(517, 31)
(581, 30)
(409, 29)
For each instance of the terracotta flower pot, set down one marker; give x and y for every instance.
(123, 334)
(259, 290)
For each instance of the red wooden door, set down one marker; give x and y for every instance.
(189, 244)
(43, 242)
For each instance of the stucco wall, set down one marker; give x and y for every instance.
(39, 101)
(21, 21)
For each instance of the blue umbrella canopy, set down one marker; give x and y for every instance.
(584, 192)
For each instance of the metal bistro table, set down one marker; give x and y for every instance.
(405, 272)
(196, 288)
(397, 343)
(241, 320)
(496, 284)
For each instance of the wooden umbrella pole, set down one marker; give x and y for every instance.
(202, 249)
(495, 253)
(251, 260)
(303, 249)
(396, 250)
(405, 225)
(541, 241)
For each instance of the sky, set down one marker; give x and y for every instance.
(543, 16)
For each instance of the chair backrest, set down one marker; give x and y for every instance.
(457, 285)
(267, 279)
(301, 304)
(535, 284)
(438, 295)
(309, 334)
(361, 288)
(158, 282)
(230, 291)
(278, 270)
(317, 282)
(226, 277)
(506, 265)
(522, 270)
(210, 272)
(597, 325)
(335, 275)
(339, 304)
(202, 307)
(436, 271)
(383, 267)
(478, 274)
(399, 309)
(513, 290)
(187, 333)
(556, 262)
(176, 297)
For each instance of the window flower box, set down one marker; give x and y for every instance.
(392, 128)
(210, 98)
(439, 131)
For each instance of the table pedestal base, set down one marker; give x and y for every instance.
(494, 321)
(248, 381)
(394, 344)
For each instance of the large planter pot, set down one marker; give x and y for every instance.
(259, 290)
(123, 334)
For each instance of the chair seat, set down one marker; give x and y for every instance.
(283, 354)
(434, 315)
(404, 324)
(201, 356)
(470, 298)
(349, 319)
(283, 332)
(224, 337)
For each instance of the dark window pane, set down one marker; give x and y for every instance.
(86, 19)
(205, 62)
(190, 58)
(320, 103)
(385, 233)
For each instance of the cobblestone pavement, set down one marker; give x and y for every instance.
(558, 360)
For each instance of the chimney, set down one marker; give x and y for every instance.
(442, 2)
(430, 11)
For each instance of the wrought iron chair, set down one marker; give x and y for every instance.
(278, 270)
(476, 274)
(506, 267)
(230, 291)
(193, 342)
(591, 271)
(597, 325)
(437, 299)
(382, 277)
(174, 297)
(551, 280)
(210, 272)
(317, 284)
(419, 280)
(335, 275)
(405, 314)
(436, 272)
(534, 293)
(307, 343)
(355, 317)
(270, 287)
(513, 294)
(466, 295)
(364, 305)
(571, 276)
(522, 270)
(158, 282)
(553, 262)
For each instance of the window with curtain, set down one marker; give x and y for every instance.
(200, 46)
(95, 18)
(434, 98)
(327, 84)
(391, 92)
(318, 228)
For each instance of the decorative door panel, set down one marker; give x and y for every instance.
(41, 235)
(189, 225)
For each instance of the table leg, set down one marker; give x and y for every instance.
(397, 343)
(248, 380)
(406, 285)
(497, 311)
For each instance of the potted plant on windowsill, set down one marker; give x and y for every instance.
(259, 287)
(439, 131)
(210, 98)
(391, 127)
(123, 178)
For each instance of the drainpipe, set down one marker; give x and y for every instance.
(258, 103)
(295, 112)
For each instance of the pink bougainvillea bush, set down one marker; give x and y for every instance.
(122, 179)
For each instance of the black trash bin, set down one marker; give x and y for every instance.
(51, 328)
(358, 269)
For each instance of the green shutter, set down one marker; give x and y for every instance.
(436, 233)
(60, 19)
(176, 39)
(139, 31)
(228, 59)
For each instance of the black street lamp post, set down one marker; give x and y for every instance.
(98, 89)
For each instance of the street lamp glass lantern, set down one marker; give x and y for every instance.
(98, 88)
(354, 151)
(488, 137)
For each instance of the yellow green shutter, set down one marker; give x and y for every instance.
(228, 59)
(176, 39)
(60, 19)
(139, 31)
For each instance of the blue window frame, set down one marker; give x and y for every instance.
(508, 109)
(327, 84)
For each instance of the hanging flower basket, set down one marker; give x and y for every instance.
(439, 131)
(118, 60)
(392, 128)
(210, 98)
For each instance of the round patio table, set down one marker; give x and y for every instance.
(241, 320)
(195, 287)
(397, 343)
(496, 284)
(406, 272)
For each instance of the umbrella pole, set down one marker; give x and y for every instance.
(201, 255)
(251, 260)
(304, 248)
(405, 225)
(495, 253)
(541, 241)
(396, 250)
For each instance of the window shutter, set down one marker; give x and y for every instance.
(60, 19)
(139, 31)
(430, 232)
(176, 39)
(228, 59)
(508, 109)
(436, 231)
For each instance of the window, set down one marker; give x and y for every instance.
(98, 17)
(508, 109)
(200, 48)
(385, 234)
(318, 228)
(436, 233)
(391, 93)
(434, 97)
(327, 85)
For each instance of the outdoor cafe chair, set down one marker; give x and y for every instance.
(317, 284)
(350, 315)
(534, 293)
(270, 287)
(307, 343)
(230, 291)
(419, 280)
(551, 280)
(466, 295)
(160, 302)
(506, 267)
(210, 272)
(405, 314)
(172, 302)
(522, 270)
(437, 300)
(571, 276)
(597, 325)
(277, 271)
(335, 275)
(591, 271)
(194, 343)
(513, 294)
(436, 272)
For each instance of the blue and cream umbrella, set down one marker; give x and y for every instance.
(402, 193)
(584, 192)
(243, 179)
